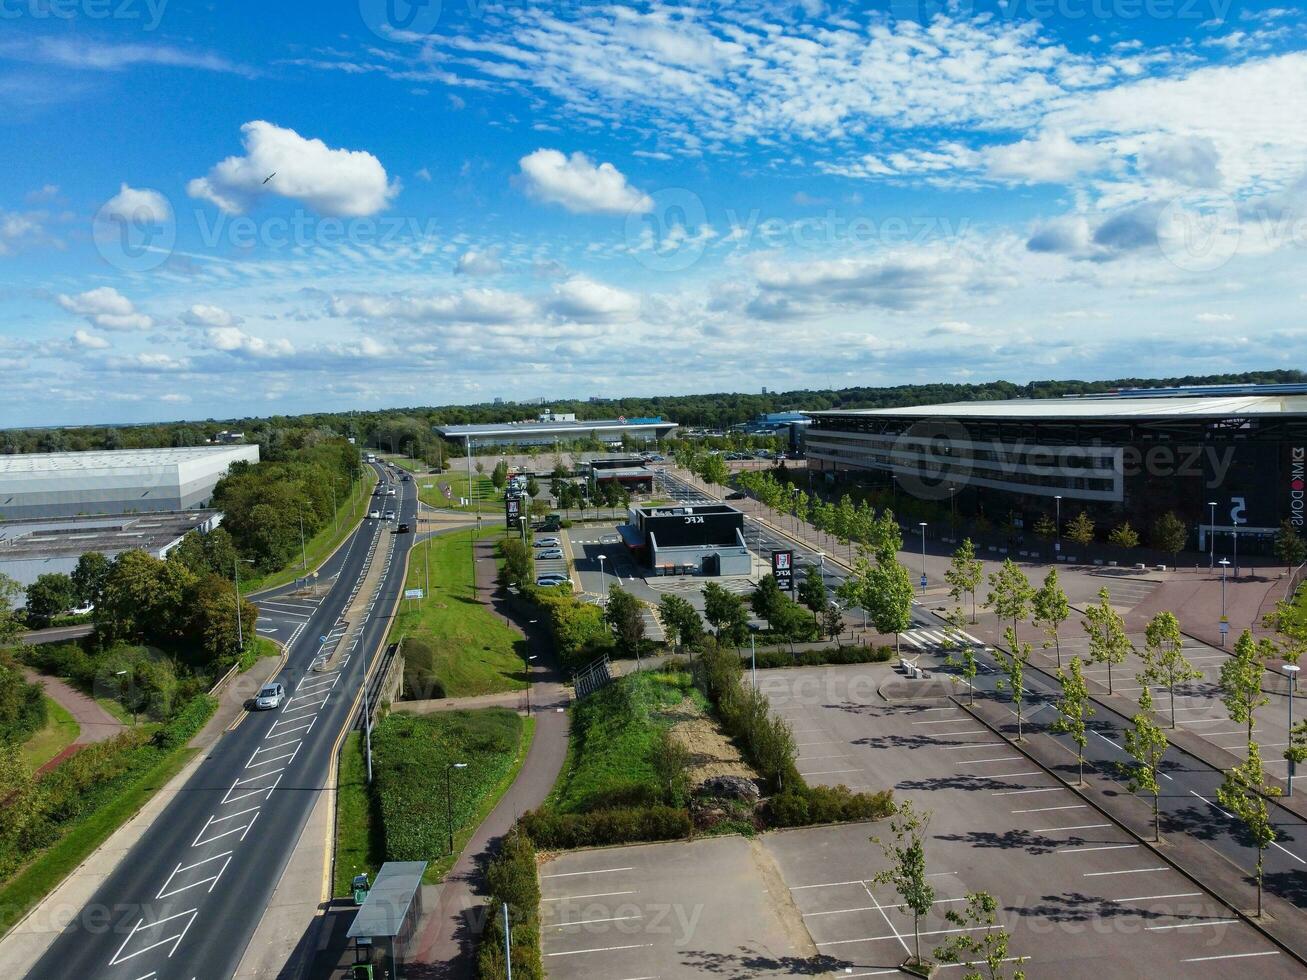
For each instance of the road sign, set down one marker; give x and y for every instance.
(412, 593)
(512, 512)
(1225, 626)
(782, 566)
(923, 581)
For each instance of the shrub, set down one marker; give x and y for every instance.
(189, 720)
(829, 655)
(22, 705)
(511, 878)
(802, 805)
(552, 830)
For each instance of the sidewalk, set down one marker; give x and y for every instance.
(96, 724)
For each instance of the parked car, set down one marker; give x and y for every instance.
(550, 554)
(547, 543)
(269, 696)
(547, 581)
(736, 495)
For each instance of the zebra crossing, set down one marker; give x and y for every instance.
(933, 639)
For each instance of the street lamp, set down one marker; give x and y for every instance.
(1211, 532)
(304, 557)
(1225, 563)
(602, 581)
(923, 555)
(529, 657)
(123, 673)
(1292, 671)
(1057, 545)
(449, 804)
(236, 581)
(952, 510)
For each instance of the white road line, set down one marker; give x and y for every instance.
(573, 874)
(602, 949)
(1155, 898)
(262, 789)
(971, 745)
(1047, 809)
(1107, 740)
(1079, 826)
(175, 940)
(1229, 956)
(974, 731)
(577, 898)
(302, 726)
(978, 762)
(1130, 871)
(1104, 847)
(885, 915)
(1190, 925)
(587, 922)
(941, 721)
(828, 772)
(1018, 792)
(896, 935)
(211, 881)
(829, 884)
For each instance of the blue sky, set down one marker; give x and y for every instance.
(222, 210)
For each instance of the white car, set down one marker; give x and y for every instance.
(547, 542)
(551, 553)
(375, 515)
(547, 581)
(390, 515)
(269, 696)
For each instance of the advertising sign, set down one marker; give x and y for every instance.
(512, 513)
(782, 566)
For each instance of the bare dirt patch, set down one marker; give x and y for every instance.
(711, 752)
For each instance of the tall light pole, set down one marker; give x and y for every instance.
(923, 555)
(1292, 671)
(1211, 534)
(1234, 540)
(602, 582)
(449, 801)
(236, 581)
(952, 510)
(1225, 626)
(304, 555)
(1057, 545)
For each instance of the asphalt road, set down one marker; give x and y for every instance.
(186, 899)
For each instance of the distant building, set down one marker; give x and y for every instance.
(119, 481)
(225, 438)
(32, 548)
(790, 426)
(551, 427)
(690, 539)
(630, 471)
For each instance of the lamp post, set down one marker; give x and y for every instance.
(1292, 671)
(952, 510)
(602, 582)
(922, 524)
(1225, 563)
(304, 556)
(1234, 540)
(449, 801)
(529, 658)
(1057, 544)
(1211, 533)
(123, 673)
(236, 581)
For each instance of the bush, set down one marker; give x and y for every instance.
(512, 878)
(829, 655)
(802, 805)
(552, 830)
(22, 704)
(187, 722)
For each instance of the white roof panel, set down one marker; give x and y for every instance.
(1096, 408)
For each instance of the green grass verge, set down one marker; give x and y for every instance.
(318, 548)
(614, 735)
(457, 481)
(359, 847)
(475, 651)
(59, 732)
(43, 874)
(411, 755)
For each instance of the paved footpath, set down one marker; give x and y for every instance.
(448, 935)
(96, 724)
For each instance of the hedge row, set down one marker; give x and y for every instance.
(22, 704)
(511, 878)
(189, 720)
(827, 655)
(556, 831)
(803, 805)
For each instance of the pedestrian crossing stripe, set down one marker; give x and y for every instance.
(934, 638)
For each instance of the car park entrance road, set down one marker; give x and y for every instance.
(187, 897)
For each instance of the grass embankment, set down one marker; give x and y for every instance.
(58, 732)
(482, 490)
(403, 816)
(614, 737)
(318, 548)
(472, 650)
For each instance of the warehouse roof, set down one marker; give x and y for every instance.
(112, 459)
(72, 536)
(533, 427)
(1105, 407)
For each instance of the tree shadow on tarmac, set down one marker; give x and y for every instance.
(955, 782)
(1288, 885)
(748, 963)
(1010, 840)
(1078, 907)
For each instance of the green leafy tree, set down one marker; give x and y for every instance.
(10, 625)
(1289, 545)
(1147, 744)
(964, 659)
(832, 621)
(964, 573)
(1124, 536)
(1241, 679)
(1011, 595)
(1052, 608)
(680, 620)
(1081, 530)
(1244, 793)
(726, 613)
(88, 577)
(1170, 535)
(1073, 710)
(51, 595)
(812, 590)
(517, 562)
(624, 614)
(1045, 527)
(888, 596)
(767, 599)
(1013, 662)
(713, 470)
(1108, 641)
(1164, 660)
(906, 851)
(981, 942)
(886, 535)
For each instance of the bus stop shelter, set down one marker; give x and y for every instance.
(384, 925)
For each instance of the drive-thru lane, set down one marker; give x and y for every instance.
(186, 899)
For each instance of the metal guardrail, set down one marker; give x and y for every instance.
(592, 678)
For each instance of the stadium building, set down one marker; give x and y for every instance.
(1130, 455)
(553, 427)
(119, 481)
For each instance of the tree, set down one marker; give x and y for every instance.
(1124, 536)
(1241, 679)
(1147, 743)
(1244, 793)
(965, 661)
(88, 577)
(679, 619)
(51, 595)
(1073, 709)
(1052, 608)
(767, 599)
(1081, 530)
(812, 590)
(624, 613)
(981, 942)
(1013, 663)
(1289, 545)
(907, 870)
(214, 621)
(963, 574)
(671, 762)
(517, 562)
(1164, 660)
(1170, 534)
(713, 470)
(532, 487)
(1010, 593)
(832, 621)
(725, 612)
(888, 598)
(1045, 527)
(1108, 641)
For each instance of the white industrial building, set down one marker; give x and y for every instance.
(120, 481)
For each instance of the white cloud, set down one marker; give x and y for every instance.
(1214, 317)
(579, 185)
(236, 341)
(84, 338)
(138, 205)
(173, 397)
(84, 54)
(479, 263)
(588, 301)
(482, 306)
(206, 315)
(106, 308)
(337, 182)
(1051, 157)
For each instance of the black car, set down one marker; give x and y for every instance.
(736, 495)
(402, 529)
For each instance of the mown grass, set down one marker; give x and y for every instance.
(614, 735)
(359, 846)
(59, 732)
(475, 651)
(483, 490)
(416, 791)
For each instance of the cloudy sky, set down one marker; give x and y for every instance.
(231, 209)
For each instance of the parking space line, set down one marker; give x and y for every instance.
(1079, 826)
(1128, 871)
(978, 762)
(1229, 956)
(974, 731)
(1103, 847)
(588, 922)
(941, 721)
(602, 949)
(1154, 898)
(896, 935)
(829, 884)
(573, 874)
(577, 898)
(1047, 809)
(1190, 925)
(1019, 792)
(972, 745)
(827, 772)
